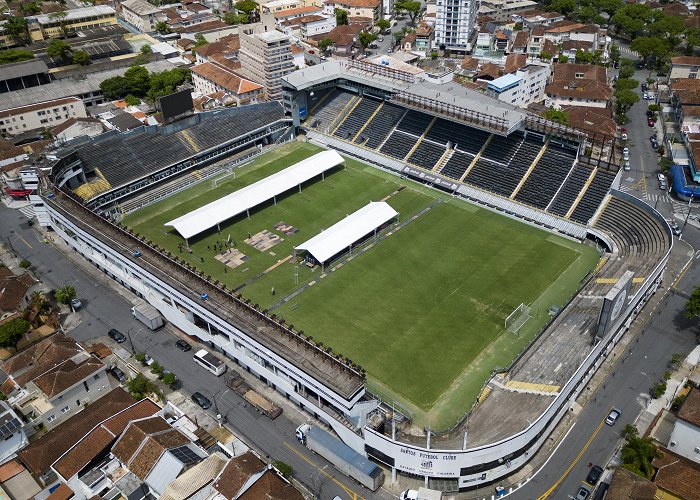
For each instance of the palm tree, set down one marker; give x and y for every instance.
(638, 453)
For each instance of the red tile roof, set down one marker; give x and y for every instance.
(63, 492)
(271, 487)
(13, 289)
(9, 470)
(236, 473)
(677, 475)
(591, 119)
(690, 411)
(40, 357)
(226, 79)
(299, 11)
(66, 375)
(686, 60)
(626, 485)
(514, 62)
(358, 3)
(43, 452)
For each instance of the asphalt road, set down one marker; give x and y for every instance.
(103, 309)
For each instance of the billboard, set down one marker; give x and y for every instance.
(173, 106)
(614, 303)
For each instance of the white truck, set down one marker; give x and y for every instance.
(148, 315)
(421, 494)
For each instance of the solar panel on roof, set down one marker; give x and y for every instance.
(9, 428)
(185, 455)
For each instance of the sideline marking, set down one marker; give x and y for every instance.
(347, 490)
(578, 457)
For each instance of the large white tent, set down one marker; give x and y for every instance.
(216, 212)
(345, 233)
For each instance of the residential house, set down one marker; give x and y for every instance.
(504, 10)
(685, 438)
(54, 379)
(227, 46)
(15, 121)
(12, 435)
(343, 37)
(676, 475)
(561, 30)
(424, 38)
(142, 15)
(533, 18)
(286, 15)
(488, 72)
(41, 454)
(307, 26)
(77, 127)
(684, 67)
(197, 481)
(155, 452)
(519, 42)
(578, 85)
(270, 7)
(371, 9)
(179, 18)
(570, 48)
(209, 78)
(626, 485)
(15, 290)
(521, 88)
(45, 26)
(594, 121)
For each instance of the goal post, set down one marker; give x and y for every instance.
(517, 318)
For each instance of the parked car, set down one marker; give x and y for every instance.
(663, 185)
(626, 154)
(650, 113)
(613, 416)
(661, 177)
(118, 374)
(201, 400)
(627, 165)
(616, 65)
(148, 360)
(646, 96)
(654, 144)
(651, 122)
(117, 336)
(623, 136)
(644, 87)
(76, 304)
(674, 227)
(582, 493)
(183, 345)
(594, 474)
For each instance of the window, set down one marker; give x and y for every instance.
(65, 409)
(87, 389)
(51, 419)
(77, 402)
(97, 376)
(579, 75)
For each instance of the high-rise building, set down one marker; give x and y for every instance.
(454, 24)
(265, 58)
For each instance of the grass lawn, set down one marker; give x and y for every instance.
(422, 310)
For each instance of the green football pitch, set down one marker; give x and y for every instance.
(421, 309)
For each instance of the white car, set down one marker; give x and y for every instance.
(627, 165)
(625, 155)
(646, 96)
(613, 416)
(624, 136)
(661, 177)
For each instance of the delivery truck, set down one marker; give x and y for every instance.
(343, 458)
(255, 399)
(148, 315)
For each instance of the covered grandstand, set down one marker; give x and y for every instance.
(114, 165)
(347, 232)
(238, 202)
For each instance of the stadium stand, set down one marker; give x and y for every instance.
(354, 122)
(458, 163)
(124, 158)
(381, 125)
(414, 122)
(399, 144)
(329, 109)
(544, 181)
(427, 154)
(593, 196)
(502, 149)
(570, 190)
(471, 141)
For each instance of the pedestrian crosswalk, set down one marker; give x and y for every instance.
(28, 211)
(628, 51)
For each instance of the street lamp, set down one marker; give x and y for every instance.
(316, 482)
(131, 342)
(219, 417)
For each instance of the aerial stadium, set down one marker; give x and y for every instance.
(401, 258)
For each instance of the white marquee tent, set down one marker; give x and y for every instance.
(216, 212)
(352, 228)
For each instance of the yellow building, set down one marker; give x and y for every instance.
(46, 26)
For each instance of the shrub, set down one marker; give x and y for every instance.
(139, 356)
(157, 368)
(658, 390)
(140, 387)
(284, 468)
(169, 379)
(25, 264)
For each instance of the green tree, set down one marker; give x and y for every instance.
(235, 18)
(650, 45)
(132, 100)
(12, 331)
(365, 38)
(246, 6)
(692, 306)
(8, 56)
(583, 57)
(16, 28)
(25, 264)
(163, 28)
(557, 115)
(625, 72)
(137, 80)
(169, 379)
(65, 294)
(626, 84)
(115, 87)
(325, 44)
(692, 40)
(383, 24)
(60, 18)
(626, 99)
(59, 50)
(563, 6)
(30, 8)
(561, 58)
(285, 469)
(638, 453)
(398, 36)
(146, 49)
(341, 16)
(615, 52)
(632, 19)
(199, 40)
(545, 55)
(411, 8)
(139, 387)
(81, 57)
(587, 14)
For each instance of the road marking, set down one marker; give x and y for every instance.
(578, 457)
(347, 490)
(24, 241)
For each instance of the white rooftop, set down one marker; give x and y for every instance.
(217, 211)
(73, 14)
(344, 233)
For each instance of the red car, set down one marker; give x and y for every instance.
(650, 122)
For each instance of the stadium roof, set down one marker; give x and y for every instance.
(342, 234)
(244, 199)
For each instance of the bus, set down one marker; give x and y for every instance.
(207, 360)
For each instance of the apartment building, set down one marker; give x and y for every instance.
(685, 67)
(454, 24)
(265, 58)
(47, 114)
(209, 78)
(503, 10)
(46, 26)
(369, 9)
(521, 88)
(142, 15)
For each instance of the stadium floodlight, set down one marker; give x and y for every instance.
(517, 318)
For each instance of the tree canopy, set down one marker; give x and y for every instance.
(325, 44)
(383, 24)
(341, 16)
(365, 38)
(638, 453)
(557, 115)
(65, 294)
(15, 55)
(81, 57)
(59, 50)
(246, 6)
(16, 28)
(12, 331)
(163, 28)
(692, 306)
(410, 7)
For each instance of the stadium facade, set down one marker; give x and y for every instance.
(441, 135)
